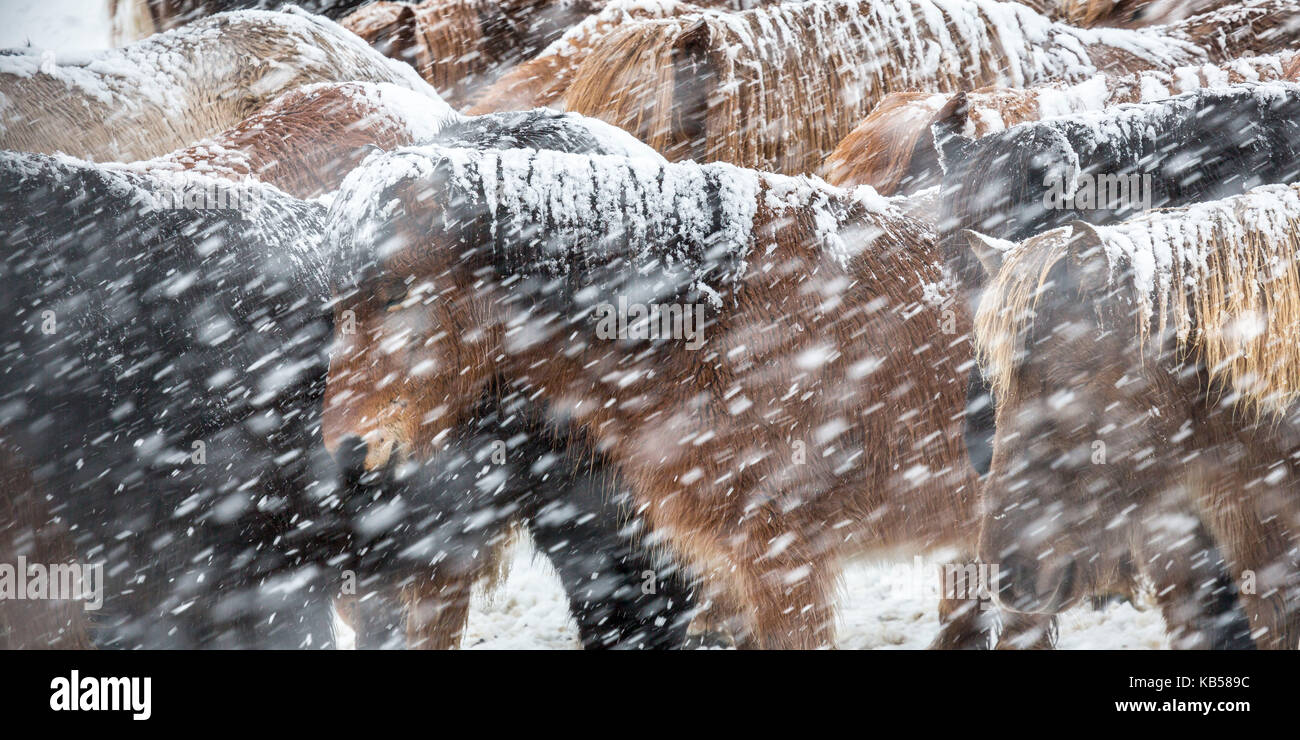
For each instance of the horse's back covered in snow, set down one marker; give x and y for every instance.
(893, 151)
(1103, 166)
(170, 90)
(308, 139)
(802, 75)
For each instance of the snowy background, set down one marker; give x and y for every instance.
(529, 611)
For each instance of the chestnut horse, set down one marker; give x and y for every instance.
(173, 89)
(777, 88)
(462, 46)
(787, 394)
(1147, 383)
(542, 80)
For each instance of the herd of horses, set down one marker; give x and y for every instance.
(307, 305)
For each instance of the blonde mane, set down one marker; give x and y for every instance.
(1006, 310)
(1222, 278)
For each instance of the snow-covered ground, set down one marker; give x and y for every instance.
(876, 612)
(529, 611)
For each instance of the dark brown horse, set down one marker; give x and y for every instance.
(769, 364)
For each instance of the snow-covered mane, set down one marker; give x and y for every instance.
(1222, 278)
(1203, 145)
(810, 71)
(564, 215)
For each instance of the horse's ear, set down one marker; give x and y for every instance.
(987, 250)
(951, 144)
(1089, 267)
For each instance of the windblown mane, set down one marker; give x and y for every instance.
(810, 71)
(1006, 309)
(461, 46)
(592, 220)
(1221, 279)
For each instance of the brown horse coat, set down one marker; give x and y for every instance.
(462, 46)
(542, 80)
(820, 418)
(307, 140)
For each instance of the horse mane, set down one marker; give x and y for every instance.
(461, 46)
(888, 148)
(542, 80)
(1221, 278)
(894, 144)
(811, 71)
(1126, 13)
(306, 140)
(1006, 308)
(1115, 141)
(560, 215)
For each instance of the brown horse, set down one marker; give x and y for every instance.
(1147, 379)
(175, 88)
(777, 88)
(893, 149)
(307, 140)
(462, 46)
(768, 363)
(542, 80)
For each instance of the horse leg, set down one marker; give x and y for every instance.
(1256, 531)
(1194, 589)
(27, 531)
(969, 619)
(789, 595)
(620, 594)
(965, 622)
(378, 619)
(437, 610)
